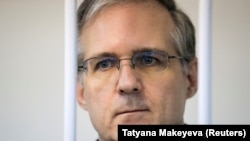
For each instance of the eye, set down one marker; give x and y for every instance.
(105, 64)
(148, 60)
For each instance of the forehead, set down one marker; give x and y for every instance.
(122, 28)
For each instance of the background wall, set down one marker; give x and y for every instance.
(31, 69)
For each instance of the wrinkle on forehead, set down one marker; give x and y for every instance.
(153, 4)
(150, 13)
(132, 7)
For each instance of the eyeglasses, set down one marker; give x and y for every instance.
(143, 62)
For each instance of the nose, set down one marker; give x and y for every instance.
(132, 64)
(129, 81)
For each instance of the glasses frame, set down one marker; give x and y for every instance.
(83, 67)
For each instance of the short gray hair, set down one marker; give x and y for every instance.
(183, 35)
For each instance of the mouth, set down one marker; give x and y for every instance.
(136, 111)
(133, 116)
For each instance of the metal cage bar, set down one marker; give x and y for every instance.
(204, 67)
(70, 71)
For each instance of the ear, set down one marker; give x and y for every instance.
(80, 95)
(192, 77)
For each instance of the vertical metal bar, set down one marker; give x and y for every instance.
(70, 68)
(204, 100)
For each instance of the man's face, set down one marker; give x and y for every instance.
(126, 96)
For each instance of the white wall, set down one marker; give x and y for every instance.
(231, 99)
(31, 69)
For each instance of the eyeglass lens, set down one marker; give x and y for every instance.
(143, 62)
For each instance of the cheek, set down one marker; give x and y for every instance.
(167, 85)
(99, 96)
(167, 96)
(167, 91)
(97, 91)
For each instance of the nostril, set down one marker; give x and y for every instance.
(129, 91)
(135, 89)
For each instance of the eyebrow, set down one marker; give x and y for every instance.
(111, 54)
(147, 49)
(103, 54)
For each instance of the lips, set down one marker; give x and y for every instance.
(133, 111)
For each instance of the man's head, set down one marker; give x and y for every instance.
(137, 63)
